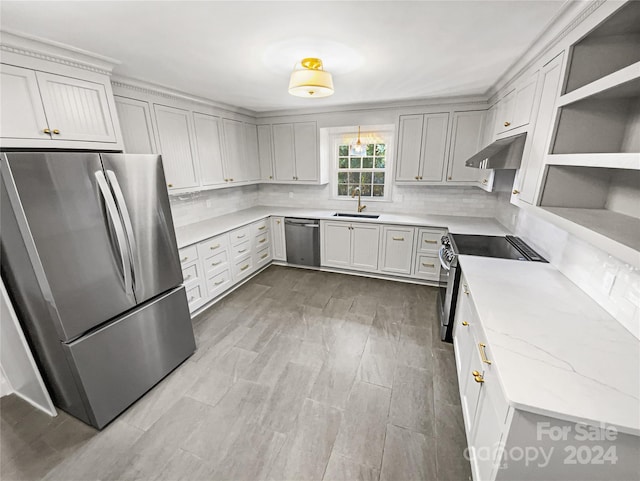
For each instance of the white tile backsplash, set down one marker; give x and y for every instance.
(612, 283)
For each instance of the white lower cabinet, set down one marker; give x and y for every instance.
(349, 245)
(397, 249)
(278, 239)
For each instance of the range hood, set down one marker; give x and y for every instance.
(502, 154)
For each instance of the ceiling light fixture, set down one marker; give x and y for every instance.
(311, 80)
(357, 149)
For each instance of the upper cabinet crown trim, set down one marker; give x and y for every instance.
(35, 47)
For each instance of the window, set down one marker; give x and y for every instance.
(371, 171)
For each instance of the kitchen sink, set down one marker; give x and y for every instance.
(362, 216)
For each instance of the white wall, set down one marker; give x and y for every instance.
(612, 283)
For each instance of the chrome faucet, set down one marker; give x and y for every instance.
(353, 194)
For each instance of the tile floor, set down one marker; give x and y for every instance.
(298, 375)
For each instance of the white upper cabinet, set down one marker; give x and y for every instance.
(489, 133)
(176, 146)
(466, 141)
(265, 153)
(234, 149)
(514, 109)
(76, 109)
(135, 122)
(306, 151)
(422, 147)
(21, 110)
(283, 152)
(251, 161)
(209, 148)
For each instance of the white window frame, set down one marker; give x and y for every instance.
(338, 137)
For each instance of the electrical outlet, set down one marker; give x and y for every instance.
(290, 195)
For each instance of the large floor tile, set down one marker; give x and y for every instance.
(408, 455)
(345, 469)
(412, 403)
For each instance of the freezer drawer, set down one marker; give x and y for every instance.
(119, 362)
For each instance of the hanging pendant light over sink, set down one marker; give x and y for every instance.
(311, 80)
(357, 148)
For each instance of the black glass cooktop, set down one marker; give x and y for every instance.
(502, 247)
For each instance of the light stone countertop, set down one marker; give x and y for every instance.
(556, 351)
(199, 231)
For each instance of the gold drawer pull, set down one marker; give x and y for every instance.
(241, 251)
(241, 236)
(466, 289)
(427, 264)
(465, 323)
(507, 124)
(262, 228)
(187, 277)
(214, 247)
(429, 241)
(483, 354)
(184, 259)
(263, 256)
(213, 264)
(262, 240)
(244, 268)
(398, 238)
(218, 283)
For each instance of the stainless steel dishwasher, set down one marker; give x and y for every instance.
(303, 241)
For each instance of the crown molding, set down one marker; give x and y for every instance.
(572, 14)
(51, 51)
(158, 90)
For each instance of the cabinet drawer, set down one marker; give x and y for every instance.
(188, 254)
(429, 240)
(427, 267)
(241, 250)
(214, 246)
(191, 273)
(216, 262)
(243, 268)
(218, 283)
(261, 240)
(260, 226)
(239, 235)
(263, 256)
(194, 297)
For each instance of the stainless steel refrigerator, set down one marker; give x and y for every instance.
(90, 261)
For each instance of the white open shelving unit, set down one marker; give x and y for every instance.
(592, 177)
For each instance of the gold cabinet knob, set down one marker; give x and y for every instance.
(169, 185)
(56, 131)
(516, 191)
(230, 180)
(449, 178)
(507, 124)
(479, 379)
(416, 177)
(277, 222)
(475, 373)
(465, 323)
(420, 177)
(485, 181)
(271, 177)
(46, 131)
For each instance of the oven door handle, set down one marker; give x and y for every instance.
(442, 261)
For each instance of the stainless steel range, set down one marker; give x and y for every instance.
(501, 247)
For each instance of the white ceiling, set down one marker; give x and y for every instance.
(241, 53)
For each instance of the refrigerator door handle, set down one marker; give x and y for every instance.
(112, 210)
(126, 220)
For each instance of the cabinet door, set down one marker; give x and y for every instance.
(77, 109)
(486, 433)
(409, 147)
(278, 239)
(504, 116)
(265, 154)
(365, 239)
(306, 151)
(234, 149)
(397, 250)
(174, 135)
(489, 132)
(21, 110)
(209, 148)
(465, 141)
(434, 146)
(523, 103)
(251, 161)
(336, 244)
(533, 160)
(283, 151)
(136, 126)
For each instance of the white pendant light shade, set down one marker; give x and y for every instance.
(311, 81)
